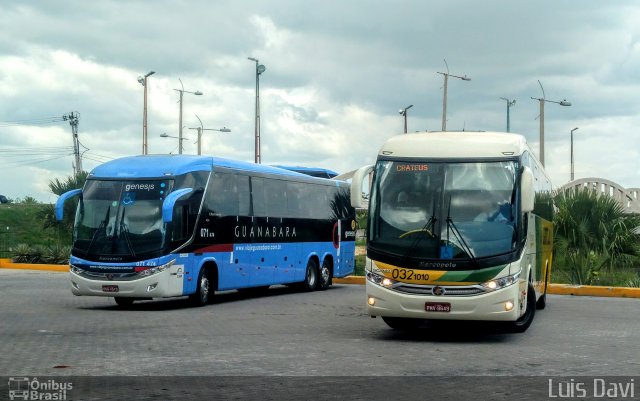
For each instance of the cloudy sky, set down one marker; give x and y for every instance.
(337, 72)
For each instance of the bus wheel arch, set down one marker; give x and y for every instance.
(325, 276)
(522, 324)
(206, 284)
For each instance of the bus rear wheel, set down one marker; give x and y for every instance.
(311, 276)
(324, 279)
(203, 291)
(521, 325)
(402, 323)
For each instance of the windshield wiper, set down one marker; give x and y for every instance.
(124, 229)
(103, 224)
(450, 224)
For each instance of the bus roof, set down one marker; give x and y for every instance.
(152, 166)
(455, 144)
(312, 171)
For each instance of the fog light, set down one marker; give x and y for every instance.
(508, 305)
(371, 301)
(152, 287)
(73, 283)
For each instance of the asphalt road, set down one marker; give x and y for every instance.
(47, 331)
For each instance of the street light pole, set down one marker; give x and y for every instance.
(182, 91)
(572, 152)
(165, 135)
(444, 97)
(201, 128)
(403, 112)
(143, 82)
(509, 104)
(259, 70)
(542, 100)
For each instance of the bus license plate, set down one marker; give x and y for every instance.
(110, 288)
(437, 307)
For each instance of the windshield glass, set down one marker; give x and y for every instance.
(121, 218)
(443, 210)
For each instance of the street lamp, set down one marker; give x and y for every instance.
(509, 104)
(572, 152)
(542, 100)
(182, 91)
(165, 135)
(403, 112)
(259, 70)
(201, 128)
(143, 82)
(444, 97)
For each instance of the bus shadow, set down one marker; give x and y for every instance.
(222, 297)
(445, 331)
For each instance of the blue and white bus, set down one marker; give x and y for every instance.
(175, 225)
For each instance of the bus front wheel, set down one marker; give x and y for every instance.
(402, 323)
(203, 290)
(311, 276)
(521, 325)
(124, 302)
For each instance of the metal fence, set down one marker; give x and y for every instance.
(7, 243)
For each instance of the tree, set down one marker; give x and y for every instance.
(592, 233)
(58, 187)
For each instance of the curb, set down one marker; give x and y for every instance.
(8, 264)
(555, 289)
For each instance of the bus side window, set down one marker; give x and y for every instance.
(229, 195)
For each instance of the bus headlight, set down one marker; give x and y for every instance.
(501, 282)
(379, 279)
(76, 270)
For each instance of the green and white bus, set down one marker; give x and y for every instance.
(459, 227)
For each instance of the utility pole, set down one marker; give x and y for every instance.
(73, 119)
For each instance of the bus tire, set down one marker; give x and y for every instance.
(124, 302)
(203, 289)
(542, 301)
(402, 323)
(522, 324)
(311, 276)
(324, 278)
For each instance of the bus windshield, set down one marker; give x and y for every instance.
(121, 218)
(444, 210)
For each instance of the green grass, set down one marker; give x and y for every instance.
(359, 270)
(19, 224)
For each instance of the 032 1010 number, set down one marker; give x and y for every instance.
(408, 274)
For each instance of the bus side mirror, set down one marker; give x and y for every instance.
(357, 199)
(59, 208)
(527, 190)
(170, 202)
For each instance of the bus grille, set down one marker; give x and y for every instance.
(451, 291)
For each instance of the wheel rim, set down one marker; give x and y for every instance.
(311, 275)
(324, 274)
(204, 288)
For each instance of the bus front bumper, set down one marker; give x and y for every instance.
(167, 283)
(490, 306)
